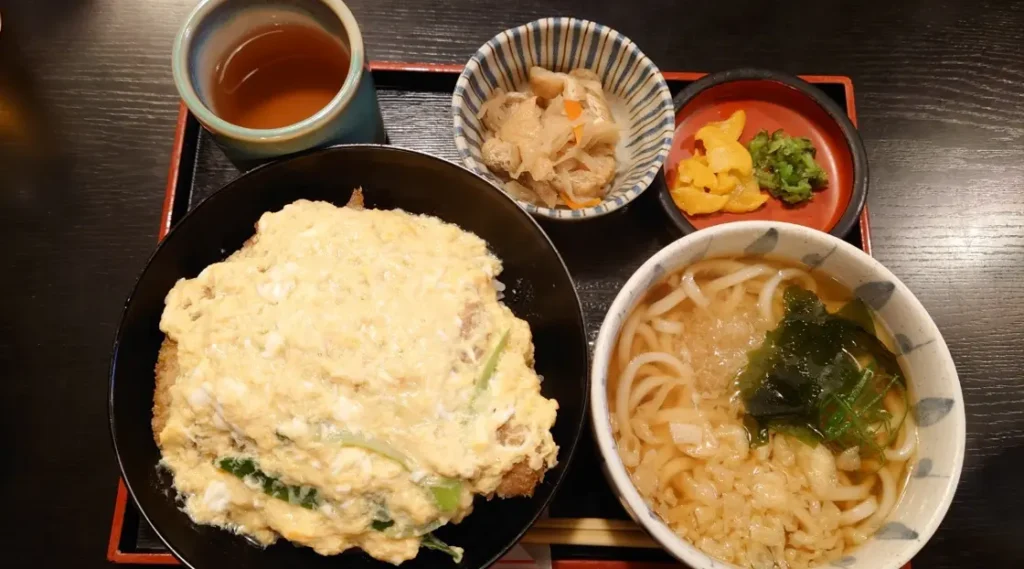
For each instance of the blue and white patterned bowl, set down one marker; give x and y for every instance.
(937, 401)
(563, 44)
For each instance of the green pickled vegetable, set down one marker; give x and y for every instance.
(247, 469)
(822, 377)
(430, 541)
(784, 165)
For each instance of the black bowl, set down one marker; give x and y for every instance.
(540, 291)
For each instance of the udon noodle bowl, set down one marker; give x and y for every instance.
(761, 412)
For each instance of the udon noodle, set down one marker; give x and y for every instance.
(679, 424)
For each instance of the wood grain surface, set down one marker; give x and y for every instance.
(87, 111)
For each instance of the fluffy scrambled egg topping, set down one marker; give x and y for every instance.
(349, 378)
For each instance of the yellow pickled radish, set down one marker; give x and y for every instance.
(695, 201)
(744, 203)
(695, 172)
(746, 197)
(726, 183)
(732, 127)
(729, 155)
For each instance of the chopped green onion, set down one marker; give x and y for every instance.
(383, 523)
(431, 542)
(247, 469)
(447, 493)
(492, 363)
(350, 439)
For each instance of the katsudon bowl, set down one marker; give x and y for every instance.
(538, 289)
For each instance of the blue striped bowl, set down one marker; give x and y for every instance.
(563, 44)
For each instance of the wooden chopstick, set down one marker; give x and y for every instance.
(588, 531)
(601, 524)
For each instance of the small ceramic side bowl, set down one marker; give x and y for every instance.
(771, 101)
(937, 401)
(630, 80)
(216, 26)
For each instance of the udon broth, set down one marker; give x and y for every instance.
(678, 421)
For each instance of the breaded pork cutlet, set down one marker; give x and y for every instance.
(521, 480)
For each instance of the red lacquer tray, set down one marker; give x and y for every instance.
(415, 101)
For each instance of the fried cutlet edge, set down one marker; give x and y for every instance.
(520, 480)
(166, 372)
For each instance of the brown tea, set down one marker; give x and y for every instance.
(278, 75)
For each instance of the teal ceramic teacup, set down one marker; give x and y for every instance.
(217, 26)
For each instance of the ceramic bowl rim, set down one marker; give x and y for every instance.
(606, 206)
(858, 154)
(180, 66)
(599, 411)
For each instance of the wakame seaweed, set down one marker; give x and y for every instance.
(821, 377)
(857, 312)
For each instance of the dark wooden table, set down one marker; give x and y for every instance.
(87, 111)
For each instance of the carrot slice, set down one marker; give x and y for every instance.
(578, 205)
(573, 109)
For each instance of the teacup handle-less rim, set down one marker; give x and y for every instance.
(607, 337)
(206, 116)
